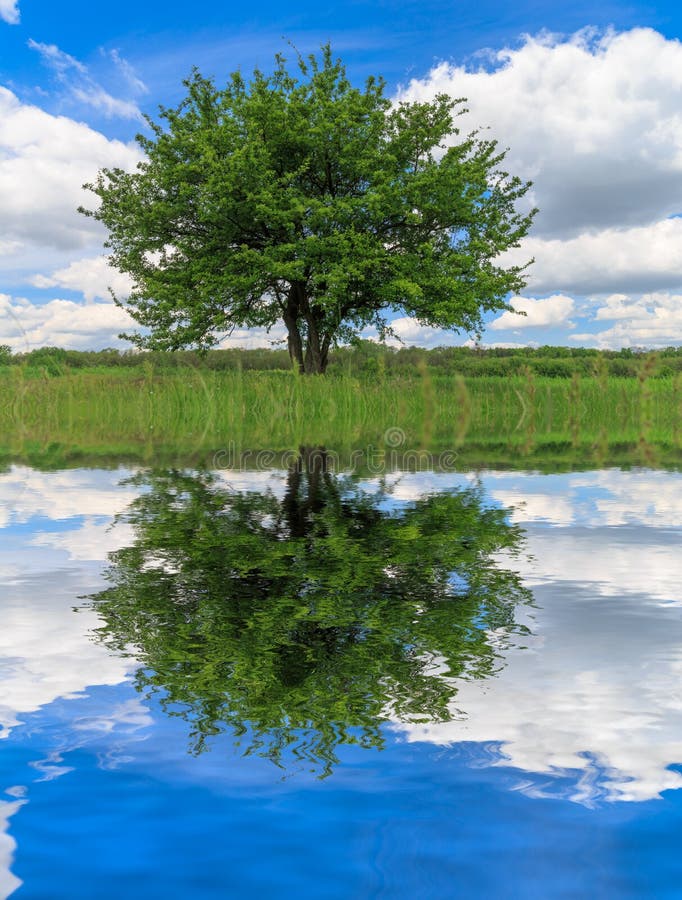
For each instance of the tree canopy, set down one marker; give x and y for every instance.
(298, 198)
(304, 622)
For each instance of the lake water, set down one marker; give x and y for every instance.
(296, 684)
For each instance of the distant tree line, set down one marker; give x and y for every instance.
(367, 358)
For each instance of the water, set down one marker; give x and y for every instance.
(269, 684)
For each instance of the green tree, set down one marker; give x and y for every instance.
(299, 198)
(305, 622)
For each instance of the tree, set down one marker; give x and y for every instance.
(305, 622)
(299, 198)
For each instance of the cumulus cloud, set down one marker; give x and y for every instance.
(644, 258)
(92, 276)
(9, 11)
(44, 162)
(408, 332)
(252, 338)
(84, 89)
(592, 119)
(61, 323)
(531, 313)
(651, 320)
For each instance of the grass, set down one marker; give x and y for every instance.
(193, 414)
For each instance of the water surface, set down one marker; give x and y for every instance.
(301, 684)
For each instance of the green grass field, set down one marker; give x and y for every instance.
(193, 414)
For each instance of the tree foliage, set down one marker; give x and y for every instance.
(299, 198)
(304, 622)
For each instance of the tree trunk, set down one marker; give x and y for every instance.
(294, 342)
(313, 359)
(314, 363)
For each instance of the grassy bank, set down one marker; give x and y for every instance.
(139, 413)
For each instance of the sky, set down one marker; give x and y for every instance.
(588, 101)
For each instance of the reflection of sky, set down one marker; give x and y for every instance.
(54, 534)
(598, 692)
(590, 710)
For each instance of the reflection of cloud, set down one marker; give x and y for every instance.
(591, 499)
(121, 726)
(63, 495)
(613, 530)
(8, 882)
(596, 694)
(46, 650)
(645, 498)
(90, 541)
(45, 647)
(614, 562)
(236, 479)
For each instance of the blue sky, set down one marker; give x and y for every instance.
(586, 99)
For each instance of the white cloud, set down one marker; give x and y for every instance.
(128, 73)
(652, 320)
(615, 259)
(57, 59)
(410, 333)
(44, 162)
(593, 120)
(61, 323)
(538, 313)
(83, 88)
(617, 307)
(104, 102)
(251, 338)
(92, 276)
(9, 11)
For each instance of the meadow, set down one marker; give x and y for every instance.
(192, 413)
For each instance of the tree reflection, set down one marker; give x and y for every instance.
(306, 621)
